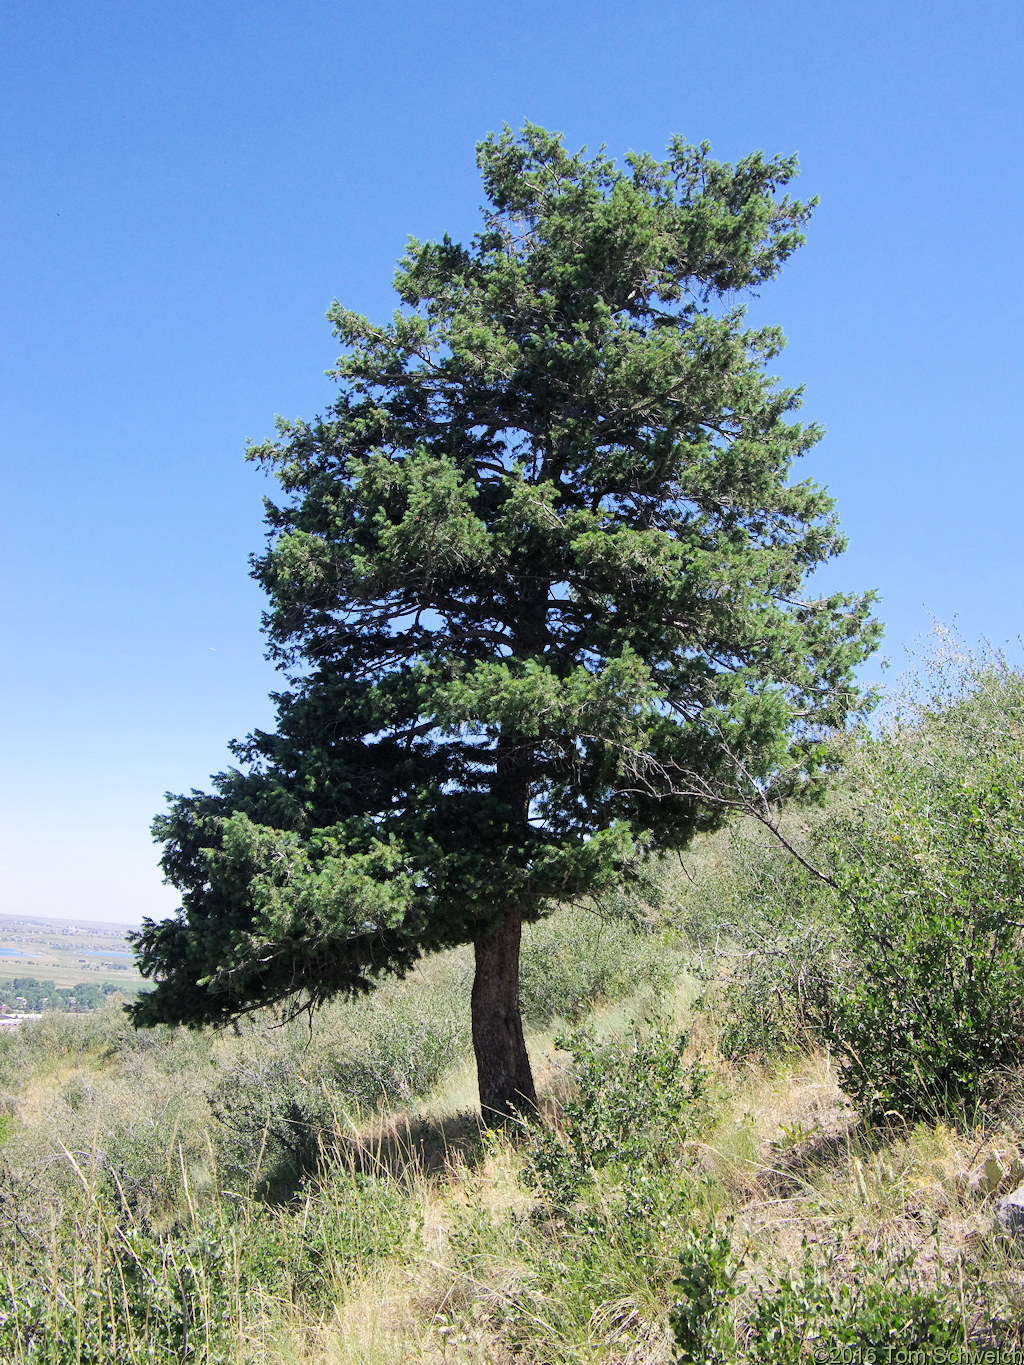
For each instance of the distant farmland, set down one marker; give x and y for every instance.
(66, 952)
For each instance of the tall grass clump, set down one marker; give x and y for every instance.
(88, 1280)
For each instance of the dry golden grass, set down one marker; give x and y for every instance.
(792, 1163)
(786, 1156)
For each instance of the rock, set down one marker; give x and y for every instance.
(1010, 1213)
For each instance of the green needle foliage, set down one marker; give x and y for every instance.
(535, 584)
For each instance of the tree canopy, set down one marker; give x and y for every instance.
(535, 584)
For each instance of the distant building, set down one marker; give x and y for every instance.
(11, 1021)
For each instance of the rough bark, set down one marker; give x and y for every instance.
(502, 1063)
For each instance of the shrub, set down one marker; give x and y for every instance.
(862, 1299)
(855, 1297)
(637, 1101)
(702, 1316)
(577, 958)
(930, 868)
(279, 1122)
(909, 966)
(783, 951)
(405, 1035)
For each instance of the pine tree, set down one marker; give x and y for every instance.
(535, 582)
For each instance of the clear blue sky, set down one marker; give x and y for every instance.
(186, 188)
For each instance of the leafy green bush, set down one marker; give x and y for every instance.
(929, 866)
(637, 1101)
(618, 1188)
(866, 1299)
(702, 1316)
(870, 1300)
(935, 1009)
(908, 964)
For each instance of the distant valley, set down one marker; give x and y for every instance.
(66, 953)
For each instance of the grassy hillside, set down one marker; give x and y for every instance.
(725, 1169)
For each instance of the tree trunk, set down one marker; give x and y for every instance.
(502, 1063)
